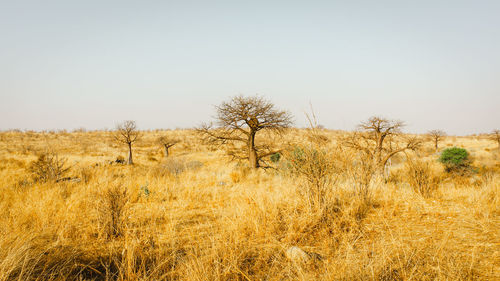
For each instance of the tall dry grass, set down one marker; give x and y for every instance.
(199, 216)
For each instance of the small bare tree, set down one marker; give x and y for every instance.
(128, 134)
(167, 143)
(240, 119)
(495, 136)
(436, 136)
(380, 139)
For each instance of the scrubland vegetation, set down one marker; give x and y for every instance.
(251, 199)
(317, 213)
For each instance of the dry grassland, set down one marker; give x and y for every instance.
(198, 215)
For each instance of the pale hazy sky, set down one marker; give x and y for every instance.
(88, 63)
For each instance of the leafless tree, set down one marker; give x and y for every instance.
(380, 139)
(128, 134)
(240, 119)
(436, 136)
(167, 143)
(495, 136)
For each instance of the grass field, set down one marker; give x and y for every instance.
(199, 215)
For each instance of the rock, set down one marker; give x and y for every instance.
(75, 180)
(297, 255)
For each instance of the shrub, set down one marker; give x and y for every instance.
(174, 166)
(360, 169)
(455, 159)
(421, 178)
(113, 203)
(194, 165)
(48, 167)
(120, 160)
(316, 167)
(275, 158)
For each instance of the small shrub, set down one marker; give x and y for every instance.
(455, 160)
(239, 174)
(396, 176)
(361, 172)
(86, 174)
(194, 165)
(172, 166)
(120, 160)
(421, 178)
(48, 167)
(112, 206)
(22, 183)
(275, 158)
(317, 168)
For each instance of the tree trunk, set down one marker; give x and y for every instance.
(253, 160)
(379, 168)
(166, 150)
(436, 145)
(130, 162)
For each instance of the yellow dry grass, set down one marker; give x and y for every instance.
(199, 216)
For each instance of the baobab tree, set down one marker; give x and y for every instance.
(380, 139)
(495, 136)
(167, 143)
(128, 134)
(240, 119)
(436, 136)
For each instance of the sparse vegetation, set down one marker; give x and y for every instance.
(196, 215)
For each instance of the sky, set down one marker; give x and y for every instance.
(165, 64)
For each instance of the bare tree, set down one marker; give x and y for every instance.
(436, 136)
(495, 136)
(380, 139)
(240, 119)
(167, 143)
(128, 134)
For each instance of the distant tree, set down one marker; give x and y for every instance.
(495, 136)
(127, 133)
(167, 143)
(240, 119)
(436, 136)
(380, 139)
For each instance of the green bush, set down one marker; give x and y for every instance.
(275, 158)
(455, 159)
